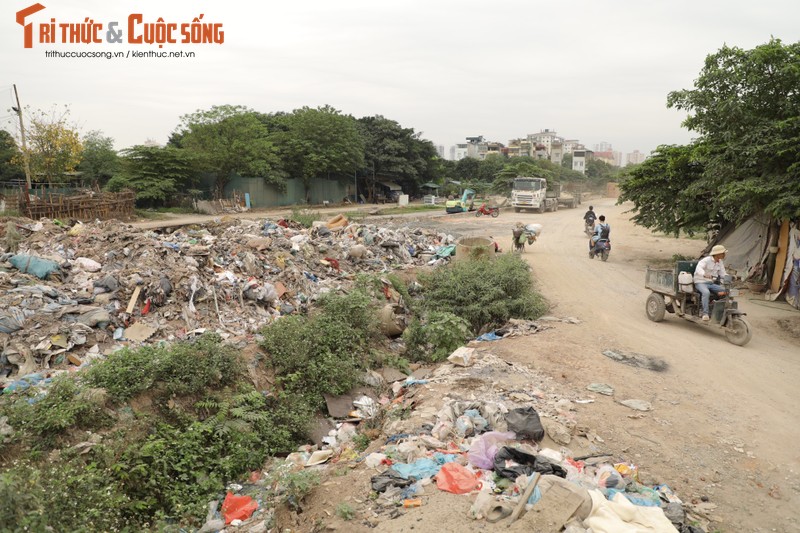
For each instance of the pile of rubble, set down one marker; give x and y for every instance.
(71, 294)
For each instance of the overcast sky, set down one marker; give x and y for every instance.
(591, 70)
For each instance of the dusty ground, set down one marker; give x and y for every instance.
(724, 423)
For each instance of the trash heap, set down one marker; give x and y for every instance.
(69, 294)
(478, 427)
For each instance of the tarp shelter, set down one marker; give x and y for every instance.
(762, 249)
(430, 185)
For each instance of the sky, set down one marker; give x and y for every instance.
(591, 70)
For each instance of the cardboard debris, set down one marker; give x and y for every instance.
(139, 332)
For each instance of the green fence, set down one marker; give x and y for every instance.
(265, 195)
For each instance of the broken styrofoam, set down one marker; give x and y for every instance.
(462, 356)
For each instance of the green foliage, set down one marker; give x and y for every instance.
(394, 152)
(484, 292)
(436, 336)
(361, 442)
(10, 159)
(178, 369)
(345, 512)
(229, 139)
(149, 468)
(99, 161)
(666, 190)
(318, 143)
(746, 110)
(321, 353)
(66, 406)
(154, 173)
(293, 485)
(305, 217)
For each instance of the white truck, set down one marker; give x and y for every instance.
(531, 193)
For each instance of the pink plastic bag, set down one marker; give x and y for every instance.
(484, 448)
(456, 479)
(238, 507)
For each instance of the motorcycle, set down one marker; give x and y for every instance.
(602, 248)
(494, 212)
(671, 293)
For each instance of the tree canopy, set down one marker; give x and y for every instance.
(745, 108)
(53, 145)
(318, 143)
(99, 161)
(10, 169)
(154, 173)
(227, 140)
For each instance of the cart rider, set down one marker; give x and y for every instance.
(708, 272)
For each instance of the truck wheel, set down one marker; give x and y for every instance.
(738, 331)
(655, 307)
(555, 207)
(541, 209)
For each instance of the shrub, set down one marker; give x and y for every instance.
(484, 292)
(321, 354)
(436, 337)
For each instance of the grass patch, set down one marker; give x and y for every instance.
(409, 209)
(305, 217)
(205, 426)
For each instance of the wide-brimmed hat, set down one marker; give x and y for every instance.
(717, 250)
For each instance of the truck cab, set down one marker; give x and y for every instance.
(531, 193)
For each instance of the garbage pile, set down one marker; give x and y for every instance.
(69, 294)
(477, 427)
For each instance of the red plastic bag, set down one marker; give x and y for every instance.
(238, 507)
(456, 479)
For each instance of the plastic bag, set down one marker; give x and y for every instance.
(484, 448)
(238, 507)
(456, 479)
(607, 477)
(41, 268)
(511, 463)
(524, 421)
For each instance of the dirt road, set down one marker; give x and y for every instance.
(724, 424)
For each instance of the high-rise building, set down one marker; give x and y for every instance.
(440, 150)
(635, 157)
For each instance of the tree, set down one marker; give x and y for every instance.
(318, 143)
(99, 160)
(53, 145)
(10, 169)
(227, 140)
(746, 108)
(521, 166)
(665, 190)
(154, 173)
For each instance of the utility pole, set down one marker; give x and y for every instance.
(25, 156)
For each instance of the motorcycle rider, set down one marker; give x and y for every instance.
(710, 269)
(589, 217)
(601, 231)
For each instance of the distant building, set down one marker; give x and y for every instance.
(605, 157)
(556, 152)
(570, 145)
(440, 150)
(603, 147)
(459, 152)
(579, 159)
(635, 157)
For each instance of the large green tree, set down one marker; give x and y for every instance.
(154, 173)
(227, 140)
(99, 161)
(668, 192)
(745, 109)
(317, 143)
(10, 168)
